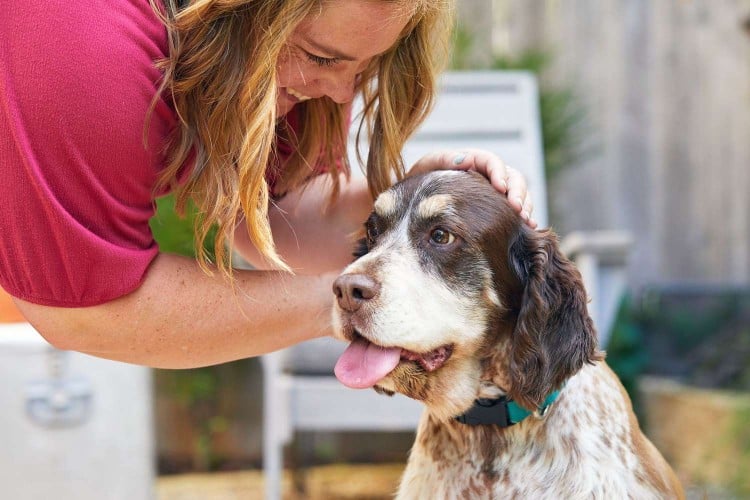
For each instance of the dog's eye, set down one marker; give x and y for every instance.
(441, 237)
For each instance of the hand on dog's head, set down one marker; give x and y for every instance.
(451, 268)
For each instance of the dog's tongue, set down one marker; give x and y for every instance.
(363, 364)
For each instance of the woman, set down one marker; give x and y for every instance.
(247, 114)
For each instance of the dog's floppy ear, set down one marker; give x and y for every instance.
(554, 335)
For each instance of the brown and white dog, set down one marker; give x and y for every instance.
(455, 302)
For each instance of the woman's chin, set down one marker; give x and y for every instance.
(283, 108)
(284, 103)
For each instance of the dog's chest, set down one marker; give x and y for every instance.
(582, 450)
(557, 470)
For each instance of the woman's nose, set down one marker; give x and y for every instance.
(340, 88)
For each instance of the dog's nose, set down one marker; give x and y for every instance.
(352, 290)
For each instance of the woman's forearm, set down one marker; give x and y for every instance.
(182, 318)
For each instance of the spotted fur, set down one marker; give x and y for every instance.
(454, 265)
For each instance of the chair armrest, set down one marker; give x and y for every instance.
(601, 258)
(610, 246)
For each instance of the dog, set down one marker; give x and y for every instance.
(457, 303)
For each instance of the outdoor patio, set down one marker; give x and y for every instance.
(331, 482)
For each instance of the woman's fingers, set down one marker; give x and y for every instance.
(503, 178)
(487, 164)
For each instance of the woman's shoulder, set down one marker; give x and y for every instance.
(77, 79)
(85, 71)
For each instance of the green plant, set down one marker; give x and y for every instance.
(625, 353)
(740, 434)
(173, 232)
(562, 113)
(463, 42)
(196, 392)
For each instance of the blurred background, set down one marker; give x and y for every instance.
(645, 109)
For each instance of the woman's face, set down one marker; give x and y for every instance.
(327, 51)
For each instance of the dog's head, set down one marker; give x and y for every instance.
(453, 295)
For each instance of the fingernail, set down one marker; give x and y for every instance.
(459, 159)
(503, 185)
(524, 215)
(519, 201)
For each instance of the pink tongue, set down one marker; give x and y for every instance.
(363, 364)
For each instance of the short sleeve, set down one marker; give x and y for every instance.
(76, 81)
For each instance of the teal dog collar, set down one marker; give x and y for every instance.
(502, 411)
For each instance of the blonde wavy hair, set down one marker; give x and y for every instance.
(221, 76)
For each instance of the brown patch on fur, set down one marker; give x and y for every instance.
(505, 478)
(447, 441)
(412, 381)
(554, 335)
(496, 364)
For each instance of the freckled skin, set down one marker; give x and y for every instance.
(527, 333)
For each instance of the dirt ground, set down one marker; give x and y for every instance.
(332, 482)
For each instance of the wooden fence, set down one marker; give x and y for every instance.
(665, 85)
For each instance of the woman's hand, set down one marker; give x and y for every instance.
(505, 179)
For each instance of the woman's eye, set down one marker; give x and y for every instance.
(321, 61)
(441, 237)
(372, 234)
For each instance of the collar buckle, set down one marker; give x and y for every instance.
(487, 412)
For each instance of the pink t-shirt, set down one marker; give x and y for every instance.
(76, 80)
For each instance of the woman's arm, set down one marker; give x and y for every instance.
(181, 318)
